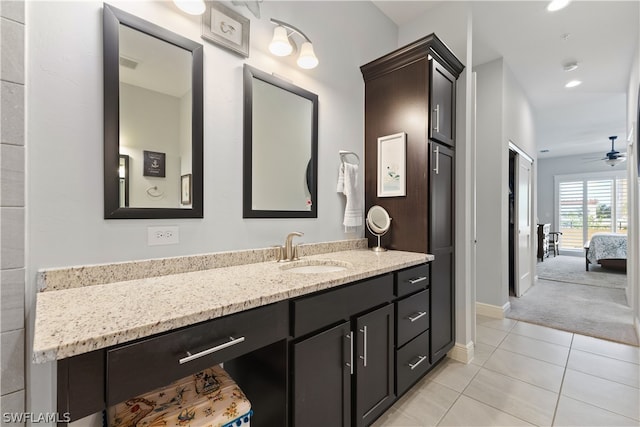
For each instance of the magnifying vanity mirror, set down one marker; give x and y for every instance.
(378, 223)
(280, 148)
(153, 121)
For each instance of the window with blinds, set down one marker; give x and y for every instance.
(590, 205)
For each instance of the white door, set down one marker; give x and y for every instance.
(524, 215)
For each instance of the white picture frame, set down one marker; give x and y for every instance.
(392, 165)
(226, 28)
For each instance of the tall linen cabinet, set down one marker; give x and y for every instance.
(413, 91)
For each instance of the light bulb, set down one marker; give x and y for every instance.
(280, 45)
(573, 83)
(307, 58)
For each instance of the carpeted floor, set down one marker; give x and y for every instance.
(571, 269)
(599, 309)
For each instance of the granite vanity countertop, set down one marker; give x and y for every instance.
(79, 320)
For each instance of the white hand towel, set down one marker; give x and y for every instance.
(348, 184)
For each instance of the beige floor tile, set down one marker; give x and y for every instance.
(481, 353)
(527, 369)
(428, 402)
(500, 324)
(395, 418)
(616, 350)
(469, 412)
(489, 336)
(605, 367)
(454, 375)
(543, 333)
(609, 395)
(572, 412)
(541, 350)
(515, 397)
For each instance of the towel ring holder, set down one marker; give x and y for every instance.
(344, 154)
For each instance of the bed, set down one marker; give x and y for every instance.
(607, 249)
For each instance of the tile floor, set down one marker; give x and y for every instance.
(524, 374)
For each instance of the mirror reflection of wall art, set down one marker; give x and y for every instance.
(226, 28)
(154, 164)
(392, 176)
(185, 185)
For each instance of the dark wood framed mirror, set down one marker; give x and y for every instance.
(153, 114)
(280, 164)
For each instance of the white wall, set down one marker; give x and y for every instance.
(503, 114)
(150, 122)
(633, 264)
(490, 159)
(65, 224)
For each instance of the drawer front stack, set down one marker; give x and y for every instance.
(412, 313)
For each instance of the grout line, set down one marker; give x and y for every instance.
(564, 373)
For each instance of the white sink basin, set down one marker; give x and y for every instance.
(315, 266)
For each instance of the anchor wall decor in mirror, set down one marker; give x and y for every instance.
(280, 148)
(153, 115)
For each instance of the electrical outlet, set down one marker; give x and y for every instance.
(167, 235)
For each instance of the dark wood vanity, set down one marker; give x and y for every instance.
(338, 357)
(413, 90)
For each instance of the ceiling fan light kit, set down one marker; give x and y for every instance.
(614, 157)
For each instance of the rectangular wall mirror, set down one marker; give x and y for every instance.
(280, 148)
(152, 118)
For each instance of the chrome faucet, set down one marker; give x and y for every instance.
(289, 252)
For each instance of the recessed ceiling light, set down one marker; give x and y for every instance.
(544, 151)
(570, 66)
(573, 83)
(555, 5)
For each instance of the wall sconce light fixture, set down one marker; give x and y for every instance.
(192, 7)
(282, 44)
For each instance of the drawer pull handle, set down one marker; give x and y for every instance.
(364, 357)
(417, 280)
(350, 364)
(190, 357)
(420, 360)
(417, 316)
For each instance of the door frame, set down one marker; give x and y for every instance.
(522, 154)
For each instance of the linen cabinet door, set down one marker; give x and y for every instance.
(322, 378)
(442, 235)
(443, 97)
(375, 364)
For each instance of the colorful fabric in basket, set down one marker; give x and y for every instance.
(207, 399)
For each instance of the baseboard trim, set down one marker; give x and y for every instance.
(462, 353)
(494, 311)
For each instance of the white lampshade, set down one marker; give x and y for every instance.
(280, 45)
(307, 58)
(613, 162)
(556, 5)
(192, 7)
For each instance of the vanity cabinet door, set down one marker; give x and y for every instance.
(322, 378)
(442, 235)
(375, 364)
(443, 95)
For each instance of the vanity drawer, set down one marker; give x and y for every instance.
(412, 362)
(144, 365)
(412, 317)
(412, 279)
(315, 312)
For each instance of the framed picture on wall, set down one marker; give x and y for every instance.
(392, 165)
(154, 163)
(226, 28)
(185, 192)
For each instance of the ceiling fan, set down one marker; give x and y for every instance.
(614, 157)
